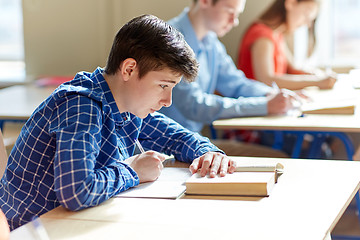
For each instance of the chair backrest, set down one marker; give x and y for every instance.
(3, 155)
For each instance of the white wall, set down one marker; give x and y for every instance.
(67, 36)
(62, 37)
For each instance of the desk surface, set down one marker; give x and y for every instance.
(19, 102)
(309, 122)
(306, 203)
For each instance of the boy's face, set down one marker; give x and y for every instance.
(152, 92)
(223, 16)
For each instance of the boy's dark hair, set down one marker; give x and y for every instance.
(154, 45)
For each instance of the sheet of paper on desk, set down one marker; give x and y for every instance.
(354, 78)
(333, 107)
(337, 101)
(169, 185)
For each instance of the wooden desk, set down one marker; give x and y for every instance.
(315, 124)
(19, 102)
(310, 122)
(306, 203)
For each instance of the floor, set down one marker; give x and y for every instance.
(348, 225)
(347, 228)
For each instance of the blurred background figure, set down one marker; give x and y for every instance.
(264, 55)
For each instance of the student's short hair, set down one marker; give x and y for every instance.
(154, 45)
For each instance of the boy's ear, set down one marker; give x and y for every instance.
(127, 68)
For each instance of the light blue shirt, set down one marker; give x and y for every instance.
(194, 104)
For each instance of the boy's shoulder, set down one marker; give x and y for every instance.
(85, 84)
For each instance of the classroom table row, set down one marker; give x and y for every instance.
(318, 126)
(306, 203)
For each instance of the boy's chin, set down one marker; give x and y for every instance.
(142, 116)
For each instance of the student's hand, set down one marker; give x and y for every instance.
(213, 162)
(304, 96)
(327, 83)
(147, 165)
(281, 102)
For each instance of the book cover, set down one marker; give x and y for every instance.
(235, 184)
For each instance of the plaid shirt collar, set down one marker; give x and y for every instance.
(120, 118)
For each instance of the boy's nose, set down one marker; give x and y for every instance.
(167, 101)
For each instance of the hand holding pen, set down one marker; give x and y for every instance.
(139, 146)
(282, 100)
(148, 164)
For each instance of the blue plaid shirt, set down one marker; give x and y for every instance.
(72, 149)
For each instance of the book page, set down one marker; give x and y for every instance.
(169, 185)
(341, 100)
(255, 167)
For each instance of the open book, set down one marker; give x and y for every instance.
(333, 107)
(248, 180)
(334, 101)
(169, 185)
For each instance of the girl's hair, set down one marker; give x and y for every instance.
(275, 15)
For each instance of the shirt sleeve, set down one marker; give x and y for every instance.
(79, 183)
(242, 96)
(232, 82)
(162, 134)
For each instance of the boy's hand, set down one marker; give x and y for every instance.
(147, 165)
(213, 163)
(279, 103)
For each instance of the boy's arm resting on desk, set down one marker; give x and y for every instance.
(84, 175)
(162, 134)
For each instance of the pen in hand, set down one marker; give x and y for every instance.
(275, 87)
(139, 146)
(287, 91)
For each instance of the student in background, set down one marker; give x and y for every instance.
(196, 104)
(76, 150)
(263, 54)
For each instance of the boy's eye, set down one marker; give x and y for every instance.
(163, 86)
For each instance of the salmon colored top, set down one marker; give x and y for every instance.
(255, 32)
